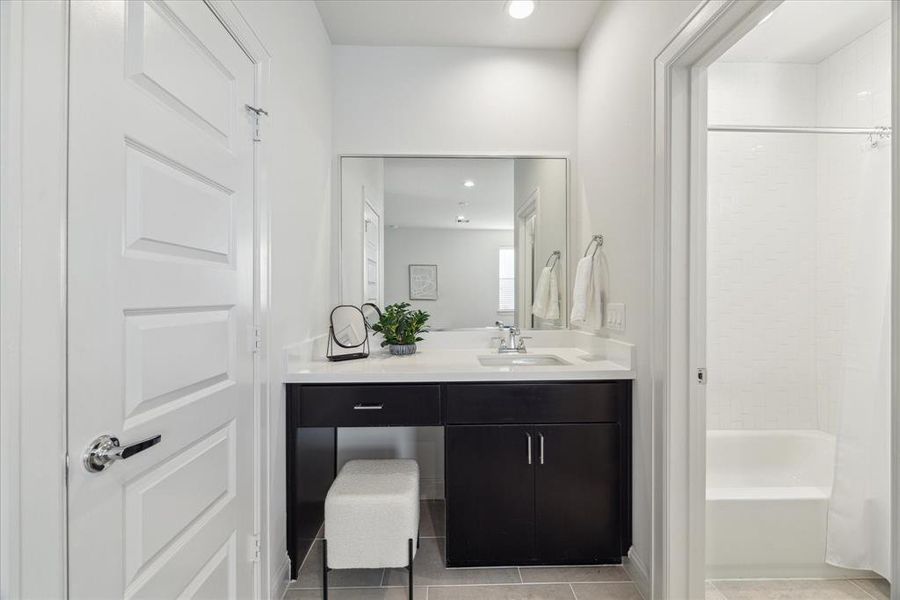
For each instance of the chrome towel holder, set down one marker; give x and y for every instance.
(553, 259)
(598, 239)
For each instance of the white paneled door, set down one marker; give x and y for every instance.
(373, 286)
(160, 295)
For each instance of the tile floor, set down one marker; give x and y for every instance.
(435, 582)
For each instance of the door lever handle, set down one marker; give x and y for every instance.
(106, 450)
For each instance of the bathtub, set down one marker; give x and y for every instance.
(767, 495)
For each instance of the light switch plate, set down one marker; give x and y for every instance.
(615, 316)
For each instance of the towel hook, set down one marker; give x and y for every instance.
(598, 239)
(553, 259)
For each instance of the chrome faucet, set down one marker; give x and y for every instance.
(513, 342)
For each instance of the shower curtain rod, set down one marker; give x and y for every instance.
(879, 131)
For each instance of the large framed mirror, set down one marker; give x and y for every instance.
(472, 240)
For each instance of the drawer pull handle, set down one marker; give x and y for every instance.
(362, 406)
(529, 447)
(542, 447)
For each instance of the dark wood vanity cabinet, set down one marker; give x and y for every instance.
(535, 472)
(538, 493)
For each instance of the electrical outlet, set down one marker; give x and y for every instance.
(615, 316)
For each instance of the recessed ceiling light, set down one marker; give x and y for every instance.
(469, 183)
(520, 9)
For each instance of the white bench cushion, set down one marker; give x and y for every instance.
(371, 510)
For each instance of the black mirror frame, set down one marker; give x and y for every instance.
(329, 352)
(377, 310)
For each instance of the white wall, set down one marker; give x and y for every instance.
(453, 100)
(613, 190)
(549, 178)
(297, 144)
(362, 180)
(468, 272)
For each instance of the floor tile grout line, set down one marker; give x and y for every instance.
(475, 584)
(574, 593)
(864, 590)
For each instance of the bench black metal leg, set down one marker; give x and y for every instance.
(410, 567)
(324, 569)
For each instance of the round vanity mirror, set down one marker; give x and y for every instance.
(347, 331)
(348, 326)
(371, 313)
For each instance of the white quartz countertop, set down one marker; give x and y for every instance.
(441, 364)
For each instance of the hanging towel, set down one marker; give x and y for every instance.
(546, 296)
(587, 295)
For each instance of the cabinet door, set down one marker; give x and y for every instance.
(490, 494)
(577, 493)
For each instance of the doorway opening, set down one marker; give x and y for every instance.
(742, 158)
(796, 310)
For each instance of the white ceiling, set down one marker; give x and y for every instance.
(426, 192)
(808, 31)
(480, 23)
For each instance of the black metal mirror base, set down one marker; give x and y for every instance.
(326, 569)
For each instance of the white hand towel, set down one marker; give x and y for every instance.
(581, 290)
(553, 300)
(587, 295)
(542, 295)
(546, 296)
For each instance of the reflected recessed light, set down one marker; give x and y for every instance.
(469, 183)
(461, 219)
(520, 9)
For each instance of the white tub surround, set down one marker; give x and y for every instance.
(453, 356)
(767, 495)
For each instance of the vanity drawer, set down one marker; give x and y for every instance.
(551, 402)
(367, 405)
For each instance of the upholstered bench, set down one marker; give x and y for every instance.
(372, 517)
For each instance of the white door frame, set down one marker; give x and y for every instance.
(33, 256)
(33, 135)
(530, 208)
(679, 226)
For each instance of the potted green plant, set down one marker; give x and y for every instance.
(400, 327)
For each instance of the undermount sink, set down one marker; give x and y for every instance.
(521, 360)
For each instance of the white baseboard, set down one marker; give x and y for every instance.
(281, 580)
(635, 568)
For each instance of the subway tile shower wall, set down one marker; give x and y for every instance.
(788, 216)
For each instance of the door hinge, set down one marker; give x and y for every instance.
(701, 376)
(253, 550)
(257, 113)
(255, 339)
